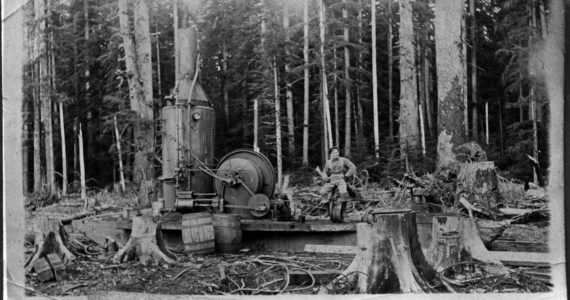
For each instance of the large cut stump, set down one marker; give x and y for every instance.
(50, 237)
(389, 258)
(146, 243)
(456, 239)
(479, 184)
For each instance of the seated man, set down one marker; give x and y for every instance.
(334, 173)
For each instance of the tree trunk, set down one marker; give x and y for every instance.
(429, 103)
(63, 151)
(348, 102)
(451, 120)
(389, 256)
(390, 76)
(360, 125)
(479, 180)
(45, 93)
(277, 126)
(374, 82)
(324, 90)
(144, 132)
(464, 61)
(50, 237)
(176, 36)
(224, 84)
(335, 97)
(409, 131)
(289, 91)
(474, 112)
(145, 242)
(255, 99)
(82, 168)
(119, 154)
(139, 74)
(306, 84)
(37, 103)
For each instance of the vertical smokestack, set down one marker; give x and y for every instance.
(187, 45)
(187, 49)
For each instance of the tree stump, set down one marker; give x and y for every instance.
(50, 237)
(456, 239)
(479, 181)
(389, 258)
(146, 243)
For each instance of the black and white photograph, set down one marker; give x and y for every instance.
(326, 149)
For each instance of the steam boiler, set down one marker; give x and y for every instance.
(241, 183)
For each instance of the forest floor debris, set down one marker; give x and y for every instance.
(263, 273)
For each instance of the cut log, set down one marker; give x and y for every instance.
(389, 258)
(460, 238)
(146, 243)
(480, 184)
(50, 237)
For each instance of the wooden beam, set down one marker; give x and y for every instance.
(530, 259)
(335, 249)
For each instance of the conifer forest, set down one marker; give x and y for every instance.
(150, 128)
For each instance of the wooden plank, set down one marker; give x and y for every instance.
(333, 249)
(516, 246)
(531, 259)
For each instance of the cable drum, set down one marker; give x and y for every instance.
(247, 173)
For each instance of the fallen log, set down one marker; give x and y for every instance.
(389, 258)
(146, 243)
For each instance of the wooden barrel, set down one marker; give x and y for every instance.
(198, 233)
(227, 228)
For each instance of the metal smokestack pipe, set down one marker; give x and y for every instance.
(187, 52)
(187, 45)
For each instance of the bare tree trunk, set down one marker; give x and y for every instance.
(45, 93)
(328, 128)
(119, 154)
(464, 61)
(139, 74)
(360, 125)
(176, 34)
(224, 84)
(144, 132)
(533, 106)
(374, 82)
(37, 101)
(256, 100)
(409, 131)
(89, 131)
(390, 74)
(335, 97)
(451, 120)
(474, 112)
(278, 126)
(429, 103)
(289, 91)
(63, 151)
(76, 88)
(348, 110)
(306, 84)
(82, 168)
